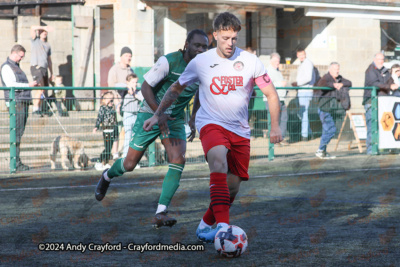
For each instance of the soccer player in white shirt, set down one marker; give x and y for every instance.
(226, 75)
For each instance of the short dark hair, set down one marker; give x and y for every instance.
(17, 48)
(300, 49)
(226, 21)
(131, 76)
(394, 66)
(192, 33)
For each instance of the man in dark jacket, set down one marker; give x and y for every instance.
(329, 101)
(13, 76)
(375, 75)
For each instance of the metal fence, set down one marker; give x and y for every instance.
(78, 123)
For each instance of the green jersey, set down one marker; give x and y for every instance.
(176, 66)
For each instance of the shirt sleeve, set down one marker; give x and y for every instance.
(259, 68)
(9, 78)
(158, 72)
(190, 75)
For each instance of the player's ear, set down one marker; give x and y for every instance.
(215, 35)
(186, 45)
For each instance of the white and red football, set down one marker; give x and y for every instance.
(230, 241)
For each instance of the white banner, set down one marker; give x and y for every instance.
(389, 122)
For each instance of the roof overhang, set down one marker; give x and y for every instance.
(284, 3)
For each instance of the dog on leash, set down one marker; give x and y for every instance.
(70, 149)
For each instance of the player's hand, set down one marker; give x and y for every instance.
(192, 126)
(394, 86)
(94, 130)
(275, 135)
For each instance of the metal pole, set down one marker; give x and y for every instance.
(271, 150)
(152, 154)
(13, 134)
(374, 122)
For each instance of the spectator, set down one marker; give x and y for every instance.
(392, 85)
(117, 78)
(328, 103)
(305, 78)
(13, 76)
(40, 62)
(130, 108)
(375, 75)
(108, 118)
(278, 81)
(60, 96)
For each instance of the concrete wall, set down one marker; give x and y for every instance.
(60, 41)
(134, 28)
(353, 43)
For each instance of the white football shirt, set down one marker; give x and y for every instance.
(226, 85)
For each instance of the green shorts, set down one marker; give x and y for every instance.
(141, 139)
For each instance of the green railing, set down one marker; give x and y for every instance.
(260, 119)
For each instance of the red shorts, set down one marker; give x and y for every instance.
(238, 156)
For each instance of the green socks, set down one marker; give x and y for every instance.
(171, 183)
(117, 169)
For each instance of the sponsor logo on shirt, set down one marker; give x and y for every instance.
(225, 84)
(238, 65)
(176, 73)
(212, 66)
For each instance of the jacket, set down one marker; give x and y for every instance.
(375, 77)
(20, 77)
(329, 99)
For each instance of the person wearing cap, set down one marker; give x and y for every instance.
(117, 78)
(117, 74)
(41, 65)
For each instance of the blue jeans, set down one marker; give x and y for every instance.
(328, 129)
(368, 118)
(129, 121)
(304, 102)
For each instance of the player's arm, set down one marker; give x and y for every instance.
(148, 95)
(192, 121)
(268, 89)
(159, 117)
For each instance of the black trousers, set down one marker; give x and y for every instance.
(21, 108)
(109, 137)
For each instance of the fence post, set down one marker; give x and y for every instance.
(374, 122)
(13, 135)
(271, 151)
(152, 154)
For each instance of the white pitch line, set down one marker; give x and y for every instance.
(200, 178)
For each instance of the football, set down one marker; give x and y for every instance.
(230, 241)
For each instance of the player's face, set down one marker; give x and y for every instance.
(197, 45)
(334, 70)
(226, 42)
(301, 55)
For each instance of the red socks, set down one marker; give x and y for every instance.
(220, 200)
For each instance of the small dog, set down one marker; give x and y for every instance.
(71, 149)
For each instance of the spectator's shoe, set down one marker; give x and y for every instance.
(324, 155)
(210, 235)
(202, 231)
(101, 188)
(21, 167)
(162, 219)
(37, 113)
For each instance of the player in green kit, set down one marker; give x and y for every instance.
(163, 74)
